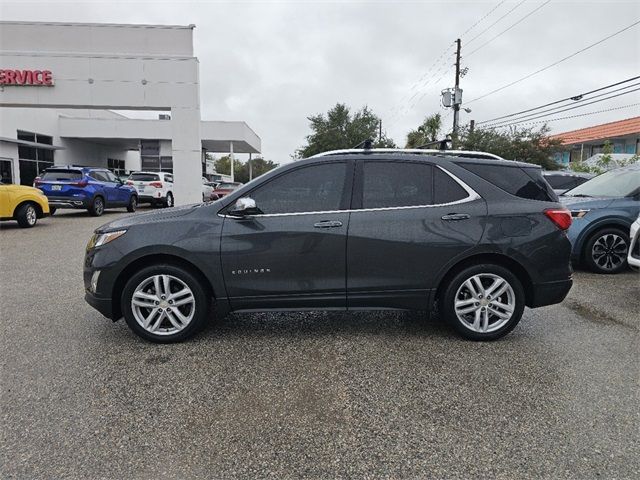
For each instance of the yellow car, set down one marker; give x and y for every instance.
(23, 204)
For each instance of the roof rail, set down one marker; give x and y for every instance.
(434, 152)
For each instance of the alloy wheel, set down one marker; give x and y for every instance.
(163, 304)
(609, 251)
(485, 302)
(99, 206)
(31, 215)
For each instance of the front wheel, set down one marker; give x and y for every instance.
(27, 215)
(483, 302)
(606, 251)
(165, 303)
(133, 204)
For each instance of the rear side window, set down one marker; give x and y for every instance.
(446, 189)
(396, 184)
(521, 182)
(144, 177)
(61, 175)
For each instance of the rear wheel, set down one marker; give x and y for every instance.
(97, 207)
(27, 216)
(168, 202)
(606, 251)
(165, 303)
(483, 302)
(133, 204)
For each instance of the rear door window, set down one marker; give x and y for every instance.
(61, 175)
(522, 182)
(97, 175)
(396, 184)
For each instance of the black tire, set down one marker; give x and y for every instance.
(455, 288)
(168, 202)
(133, 204)
(27, 215)
(606, 251)
(52, 210)
(201, 305)
(97, 207)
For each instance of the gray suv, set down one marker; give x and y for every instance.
(475, 239)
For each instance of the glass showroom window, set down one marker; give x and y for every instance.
(33, 159)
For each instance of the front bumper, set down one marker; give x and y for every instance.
(549, 293)
(103, 305)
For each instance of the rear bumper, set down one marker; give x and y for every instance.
(549, 293)
(69, 202)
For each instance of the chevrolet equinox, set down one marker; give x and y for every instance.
(476, 239)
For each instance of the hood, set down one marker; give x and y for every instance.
(585, 202)
(151, 217)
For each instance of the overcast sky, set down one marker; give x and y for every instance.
(272, 64)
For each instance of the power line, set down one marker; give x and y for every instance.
(508, 28)
(482, 18)
(576, 98)
(514, 122)
(556, 62)
(498, 20)
(575, 116)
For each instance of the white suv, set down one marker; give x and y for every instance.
(155, 188)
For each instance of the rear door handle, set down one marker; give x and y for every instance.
(328, 224)
(456, 216)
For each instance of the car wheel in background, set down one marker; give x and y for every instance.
(133, 204)
(168, 202)
(165, 303)
(27, 215)
(97, 207)
(52, 210)
(483, 302)
(606, 251)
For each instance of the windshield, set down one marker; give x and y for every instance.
(615, 183)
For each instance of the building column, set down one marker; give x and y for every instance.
(186, 150)
(231, 160)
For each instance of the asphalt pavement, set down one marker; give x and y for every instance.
(315, 395)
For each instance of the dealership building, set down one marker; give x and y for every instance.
(64, 86)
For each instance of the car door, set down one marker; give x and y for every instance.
(409, 219)
(292, 255)
(121, 192)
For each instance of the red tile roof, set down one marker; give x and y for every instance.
(601, 132)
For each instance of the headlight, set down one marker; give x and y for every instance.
(99, 239)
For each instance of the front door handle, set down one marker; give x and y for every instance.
(456, 216)
(328, 224)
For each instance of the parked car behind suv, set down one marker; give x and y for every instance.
(561, 181)
(94, 189)
(23, 204)
(362, 230)
(225, 188)
(155, 188)
(603, 210)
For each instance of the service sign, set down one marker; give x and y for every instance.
(35, 78)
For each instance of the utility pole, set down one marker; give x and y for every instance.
(472, 126)
(380, 131)
(457, 100)
(250, 172)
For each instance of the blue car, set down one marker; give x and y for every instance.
(93, 189)
(603, 209)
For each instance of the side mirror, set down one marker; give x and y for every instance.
(244, 206)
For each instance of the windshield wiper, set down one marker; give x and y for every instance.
(580, 195)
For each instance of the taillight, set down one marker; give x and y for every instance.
(81, 184)
(156, 184)
(560, 216)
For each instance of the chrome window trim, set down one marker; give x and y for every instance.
(472, 195)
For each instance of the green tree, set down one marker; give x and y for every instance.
(241, 169)
(427, 132)
(339, 128)
(605, 161)
(526, 145)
